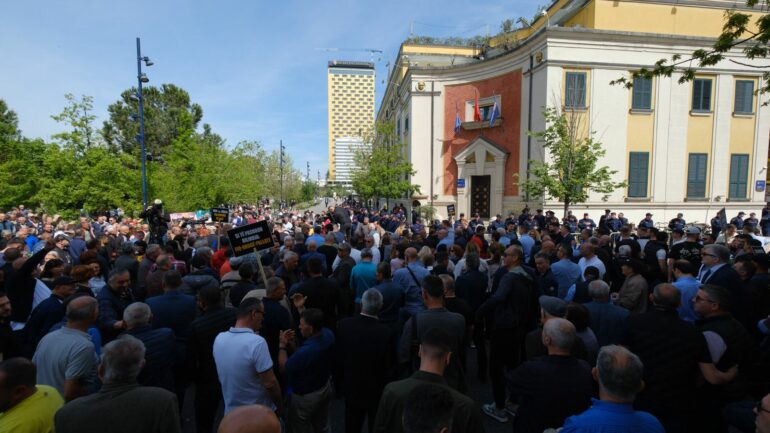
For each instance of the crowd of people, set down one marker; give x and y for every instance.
(109, 323)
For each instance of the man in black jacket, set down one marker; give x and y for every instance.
(203, 331)
(21, 285)
(513, 308)
(365, 362)
(341, 216)
(322, 293)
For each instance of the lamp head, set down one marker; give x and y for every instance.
(143, 78)
(147, 61)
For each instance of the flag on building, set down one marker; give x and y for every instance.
(458, 122)
(477, 109)
(723, 218)
(494, 114)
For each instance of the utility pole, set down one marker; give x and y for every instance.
(282, 148)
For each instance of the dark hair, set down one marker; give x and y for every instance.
(210, 296)
(591, 271)
(436, 342)
(11, 254)
(383, 268)
(172, 279)
(313, 317)
(428, 408)
(718, 294)
(684, 266)
(198, 262)
(247, 306)
(433, 286)
(18, 372)
(579, 315)
(314, 266)
(53, 263)
(472, 262)
(246, 271)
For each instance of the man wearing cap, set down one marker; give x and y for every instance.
(689, 249)
(157, 220)
(677, 223)
(586, 223)
(551, 307)
(751, 221)
(498, 223)
(647, 222)
(62, 242)
(48, 313)
(737, 221)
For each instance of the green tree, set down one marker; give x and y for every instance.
(382, 169)
(78, 115)
(168, 115)
(736, 34)
(79, 172)
(571, 171)
(19, 161)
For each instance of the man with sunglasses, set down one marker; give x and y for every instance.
(729, 343)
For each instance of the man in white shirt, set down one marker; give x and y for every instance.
(243, 361)
(589, 258)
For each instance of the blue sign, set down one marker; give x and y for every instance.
(760, 186)
(461, 183)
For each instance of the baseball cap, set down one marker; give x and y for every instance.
(692, 230)
(552, 305)
(64, 280)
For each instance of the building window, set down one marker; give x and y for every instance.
(575, 90)
(744, 96)
(638, 168)
(701, 94)
(406, 124)
(739, 174)
(641, 98)
(696, 175)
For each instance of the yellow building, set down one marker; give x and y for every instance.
(693, 147)
(351, 108)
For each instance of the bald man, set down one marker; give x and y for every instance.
(254, 418)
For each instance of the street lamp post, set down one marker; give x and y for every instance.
(282, 148)
(142, 78)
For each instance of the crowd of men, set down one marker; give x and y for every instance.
(109, 323)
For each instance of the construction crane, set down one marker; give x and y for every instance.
(371, 51)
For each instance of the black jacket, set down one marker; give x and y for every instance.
(21, 287)
(514, 303)
(365, 359)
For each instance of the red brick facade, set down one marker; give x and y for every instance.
(506, 135)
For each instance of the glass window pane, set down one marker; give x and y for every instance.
(739, 171)
(575, 90)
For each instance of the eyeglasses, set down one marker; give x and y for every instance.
(700, 298)
(707, 254)
(759, 409)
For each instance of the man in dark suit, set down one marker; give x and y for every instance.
(342, 217)
(203, 370)
(322, 293)
(716, 270)
(173, 309)
(365, 361)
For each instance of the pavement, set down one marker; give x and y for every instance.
(480, 392)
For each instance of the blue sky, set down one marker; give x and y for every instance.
(252, 65)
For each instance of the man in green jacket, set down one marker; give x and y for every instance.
(435, 353)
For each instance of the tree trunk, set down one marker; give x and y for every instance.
(566, 205)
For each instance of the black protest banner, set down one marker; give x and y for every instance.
(450, 210)
(247, 239)
(220, 214)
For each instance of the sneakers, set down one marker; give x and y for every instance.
(511, 408)
(497, 415)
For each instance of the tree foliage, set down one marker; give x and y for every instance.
(84, 168)
(570, 172)
(168, 115)
(382, 169)
(736, 34)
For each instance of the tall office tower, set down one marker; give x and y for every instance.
(351, 110)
